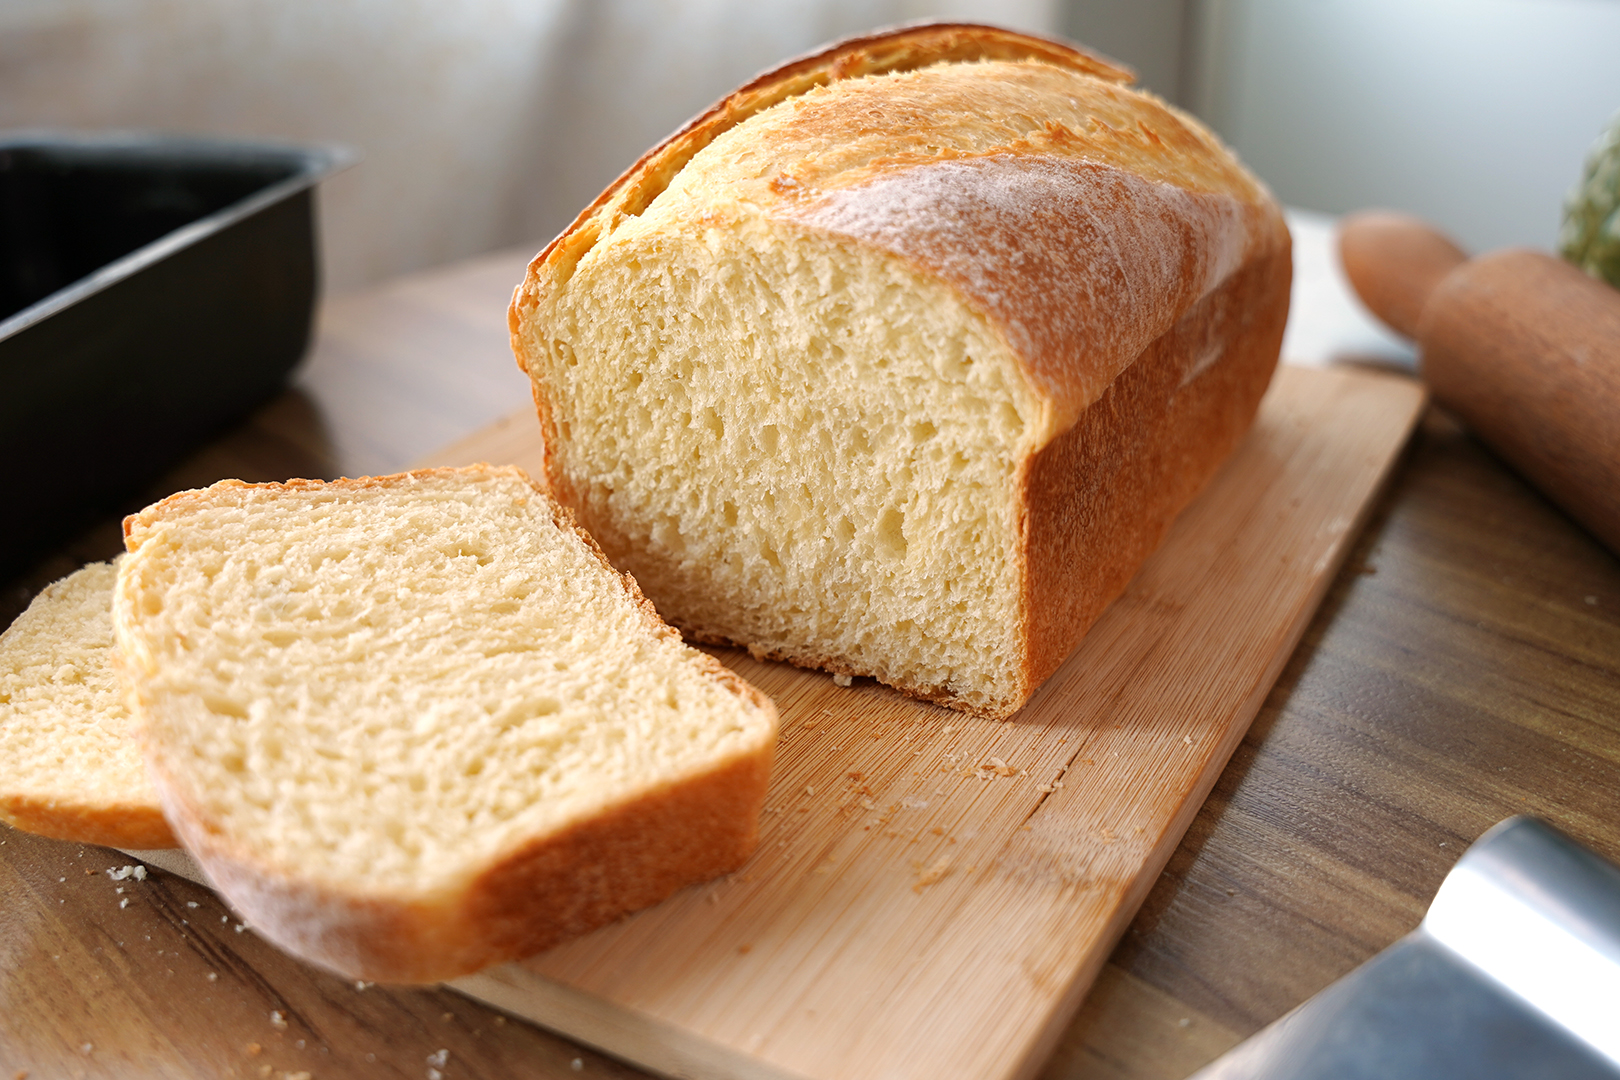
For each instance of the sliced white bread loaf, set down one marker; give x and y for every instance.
(901, 359)
(69, 766)
(414, 725)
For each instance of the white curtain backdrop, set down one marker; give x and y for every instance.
(482, 123)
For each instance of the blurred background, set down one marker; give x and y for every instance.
(486, 124)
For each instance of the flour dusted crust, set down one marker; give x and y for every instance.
(1134, 272)
(393, 917)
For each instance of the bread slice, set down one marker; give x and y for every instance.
(71, 768)
(414, 725)
(901, 359)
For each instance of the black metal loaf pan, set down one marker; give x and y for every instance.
(153, 290)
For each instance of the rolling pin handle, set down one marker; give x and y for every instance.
(1394, 261)
(1522, 347)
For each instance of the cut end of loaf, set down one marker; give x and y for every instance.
(410, 725)
(839, 483)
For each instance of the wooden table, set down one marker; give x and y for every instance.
(1464, 667)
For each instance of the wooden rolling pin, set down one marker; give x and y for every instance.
(1523, 347)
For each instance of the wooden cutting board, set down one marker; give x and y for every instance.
(933, 894)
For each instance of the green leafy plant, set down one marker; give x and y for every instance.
(1590, 236)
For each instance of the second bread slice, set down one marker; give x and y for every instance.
(414, 725)
(68, 766)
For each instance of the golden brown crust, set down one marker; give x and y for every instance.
(903, 48)
(1101, 497)
(133, 825)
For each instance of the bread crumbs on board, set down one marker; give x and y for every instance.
(932, 874)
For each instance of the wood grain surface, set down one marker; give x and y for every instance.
(1464, 666)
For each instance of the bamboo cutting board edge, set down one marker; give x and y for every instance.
(1374, 415)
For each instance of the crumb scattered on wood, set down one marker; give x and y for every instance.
(991, 769)
(931, 875)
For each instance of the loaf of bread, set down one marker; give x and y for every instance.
(901, 359)
(69, 767)
(410, 726)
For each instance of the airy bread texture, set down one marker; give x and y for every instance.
(414, 725)
(901, 359)
(71, 769)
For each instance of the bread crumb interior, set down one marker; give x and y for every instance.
(399, 685)
(64, 728)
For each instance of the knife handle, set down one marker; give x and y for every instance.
(1521, 346)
